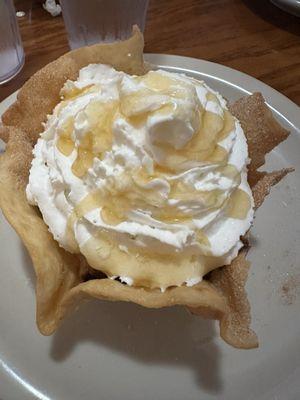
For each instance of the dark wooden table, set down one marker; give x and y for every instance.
(252, 36)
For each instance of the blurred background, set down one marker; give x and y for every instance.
(252, 36)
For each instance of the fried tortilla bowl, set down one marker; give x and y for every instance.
(63, 279)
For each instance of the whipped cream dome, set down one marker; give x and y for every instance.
(146, 176)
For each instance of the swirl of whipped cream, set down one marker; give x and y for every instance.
(146, 176)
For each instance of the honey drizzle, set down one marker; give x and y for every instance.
(228, 127)
(65, 144)
(70, 94)
(203, 147)
(238, 205)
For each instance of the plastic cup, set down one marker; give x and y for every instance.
(93, 21)
(11, 49)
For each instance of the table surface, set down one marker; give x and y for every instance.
(252, 36)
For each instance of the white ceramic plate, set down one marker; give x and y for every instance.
(123, 351)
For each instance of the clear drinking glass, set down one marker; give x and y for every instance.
(11, 49)
(92, 21)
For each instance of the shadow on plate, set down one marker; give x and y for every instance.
(169, 336)
(274, 15)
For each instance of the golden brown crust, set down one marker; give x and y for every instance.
(201, 295)
(61, 275)
(4, 133)
(230, 281)
(262, 131)
(263, 186)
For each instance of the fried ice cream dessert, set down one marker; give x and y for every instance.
(135, 184)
